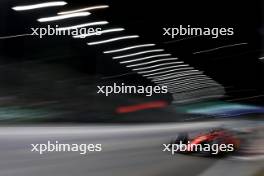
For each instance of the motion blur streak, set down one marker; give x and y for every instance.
(188, 88)
(113, 39)
(224, 109)
(246, 98)
(99, 33)
(180, 74)
(150, 71)
(83, 25)
(183, 78)
(153, 66)
(84, 9)
(199, 98)
(41, 5)
(143, 106)
(192, 84)
(159, 60)
(221, 47)
(172, 74)
(144, 58)
(128, 48)
(14, 36)
(61, 17)
(176, 75)
(139, 53)
(188, 80)
(184, 73)
(158, 65)
(127, 150)
(168, 71)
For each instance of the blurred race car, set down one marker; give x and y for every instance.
(215, 142)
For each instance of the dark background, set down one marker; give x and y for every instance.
(32, 67)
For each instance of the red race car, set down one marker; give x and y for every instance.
(214, 142)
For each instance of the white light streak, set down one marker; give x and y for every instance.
(150, 71)
(38, 6)
(82, 25)
(113, 39)
(181, 78)
(128, 48)
(138, 53)
(61, 17)
(202, 77)
(155, 61)
(184, 82)
(221, 47)
(84, 9)
(158, 65)
(168, 71)
(99, 33)
(14, 36)
(190, 84)
(159, 60)
(170, 74)
(191, 72)
(145, 58)
(177, 90)
(198, 99)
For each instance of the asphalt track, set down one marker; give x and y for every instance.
(128, 150)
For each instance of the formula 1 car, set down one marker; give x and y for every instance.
(215, 142)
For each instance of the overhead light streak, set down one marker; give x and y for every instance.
(180, 78)
(83, 25)
(175, 73)
(191, 72)
(99, 33)
(168, 71)
(40, 5)
(155, 61)
(145, 58)
(191, 82)
(128, 48)
(186, 84)
(198, 99)
(192, 88)
(150, 71)
(138, 53)
(158, 65)
(62, 17)
(221, 47)
(200, 91)
(113, 40)
(84, 9)
(176, 76)
(14, 36)
(170, 74)
(202, 77)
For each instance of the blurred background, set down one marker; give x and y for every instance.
(48, 88)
